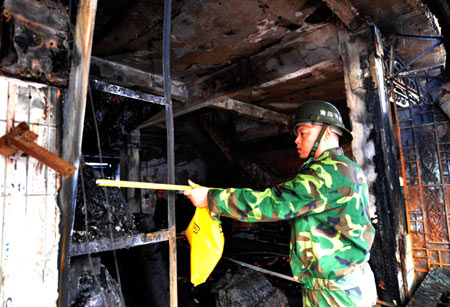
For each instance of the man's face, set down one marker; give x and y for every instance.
(306, 136)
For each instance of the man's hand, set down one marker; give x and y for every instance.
(198, 195)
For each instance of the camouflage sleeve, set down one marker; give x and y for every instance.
(296, 197)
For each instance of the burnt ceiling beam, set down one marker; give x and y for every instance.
(252, 111)
(133, 78)
(312, 55)
(245, 109)
(347, 13)
(273, 66)
(242, 108)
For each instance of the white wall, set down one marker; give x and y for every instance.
(29, 213)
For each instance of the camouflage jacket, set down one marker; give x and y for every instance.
(327, 204)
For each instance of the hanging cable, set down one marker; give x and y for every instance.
(111, 235)
(86, 228)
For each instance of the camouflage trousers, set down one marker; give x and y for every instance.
(359, 292)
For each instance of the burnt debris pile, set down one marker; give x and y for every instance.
(92, 285)
(245, 287)
(107, 210)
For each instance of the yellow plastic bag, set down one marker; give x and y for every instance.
(206, 239)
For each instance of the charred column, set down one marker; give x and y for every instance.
(73, 131)
(373, 149)
(133, 170)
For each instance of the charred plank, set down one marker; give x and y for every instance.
(35, 40)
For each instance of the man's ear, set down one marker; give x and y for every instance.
(328, 133)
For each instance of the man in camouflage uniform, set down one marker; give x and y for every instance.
(327, 204)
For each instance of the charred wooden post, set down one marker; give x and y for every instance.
(73, 131)
(388, 180)
(133, 170)
(373, 148)
(354, 52)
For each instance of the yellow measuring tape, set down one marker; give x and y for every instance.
(204, 233)
(141, 185)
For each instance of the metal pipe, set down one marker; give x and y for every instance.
(170, 152)
(73, 119)
(415, 58)
(125, 92)
(421, 37)
(426, 70)
(286, 277)
(420, 76)
(126, 241)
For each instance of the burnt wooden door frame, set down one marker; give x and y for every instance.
(389, 201)
(373, 149)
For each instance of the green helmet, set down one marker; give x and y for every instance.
(319, 111)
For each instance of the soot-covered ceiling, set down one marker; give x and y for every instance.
(206, 35)
(270, 54)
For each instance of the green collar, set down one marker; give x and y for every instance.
(333, 151)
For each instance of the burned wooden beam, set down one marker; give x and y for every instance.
(295, 64)
(295, 58)
(178, 109)
(293, 77)
(252, 111)
(133, 78)
(242, 108)
(133, 170)
(346, 12)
